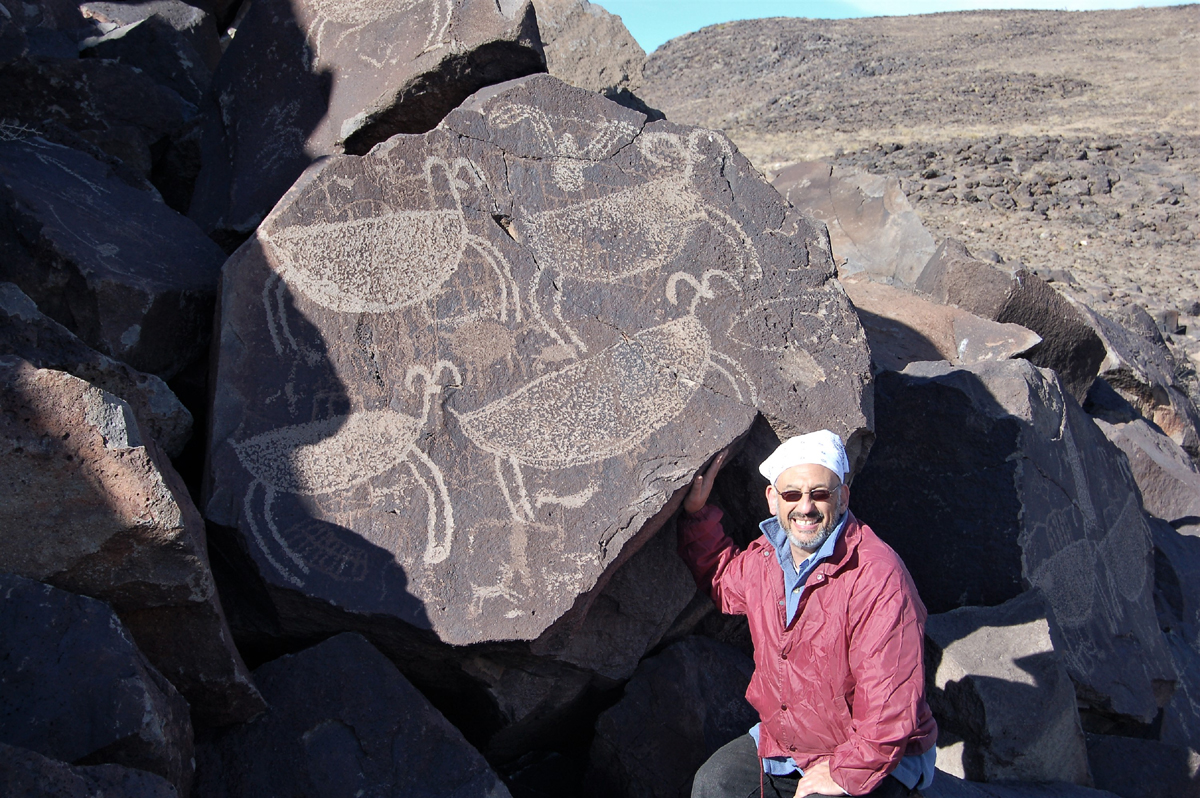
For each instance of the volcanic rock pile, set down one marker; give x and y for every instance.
(405, 523)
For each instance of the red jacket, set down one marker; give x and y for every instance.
(846, 681)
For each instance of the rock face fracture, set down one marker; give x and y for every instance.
(459, 378)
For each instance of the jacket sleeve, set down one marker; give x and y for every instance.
(887, 639)
(715, 561)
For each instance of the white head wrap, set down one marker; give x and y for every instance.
(816, 448)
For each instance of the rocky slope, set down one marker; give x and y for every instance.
(1069, 141)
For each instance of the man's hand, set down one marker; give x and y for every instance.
(702, 485)
(817, 781)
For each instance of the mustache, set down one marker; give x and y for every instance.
(815, 515)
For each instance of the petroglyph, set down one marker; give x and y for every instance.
(335, 20)
(643, 228)
(570, 157)
(596, 408)
(380, 263)
(336, 454)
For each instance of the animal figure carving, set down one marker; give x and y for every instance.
(337, 454)
(380, 263)
(600, 407)
(631, 231)
(348, 17)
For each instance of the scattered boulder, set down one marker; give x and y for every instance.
(91, 506)
(1166, 476)
(112, 106)
(195, 24)
(157, 49)
(1010, 486)
(1139, 366)
(28, 773)
(12, 37)
(1070, 346)
(872, 227)
(26, 333)
(1134, 768)
(314, 78)
(343, 721)
(678, 709)
(1004, 703)
(588, 47)
(548, 345)
(74, 687)
(903, 327)
(128, 275)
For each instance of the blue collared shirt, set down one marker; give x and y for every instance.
(912, 771)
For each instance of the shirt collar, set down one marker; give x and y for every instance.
(783, 551)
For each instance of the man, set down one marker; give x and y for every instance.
(838, 633)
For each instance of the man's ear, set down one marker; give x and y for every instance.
(845, 496)
(772, 500)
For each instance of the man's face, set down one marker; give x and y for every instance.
(807, 523)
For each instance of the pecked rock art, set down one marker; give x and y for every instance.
(319, 77)
(410, 256)
(455, 387)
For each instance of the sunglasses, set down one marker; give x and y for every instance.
(816, 494)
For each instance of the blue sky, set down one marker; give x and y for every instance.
(652, 22)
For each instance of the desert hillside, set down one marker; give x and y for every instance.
(1067, 140)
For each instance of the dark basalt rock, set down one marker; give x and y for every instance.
(128, 275)
(112, 106)
(872, 227)
(1069, 344)
(195, 24)
(155, 48)
(26, 333)
(1009, 485)
(678, 709)
(26, 774)
(458, 376)
(89, 504)
(74, 687)
(988, 668)
(343, 721)
(323, 77)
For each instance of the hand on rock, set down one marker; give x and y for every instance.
(702, 485)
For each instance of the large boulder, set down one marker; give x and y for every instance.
(630, 615)
(460, 379)
(29, 334)
(74, 687)
(125, 273)
(1004, 703)
(989, 480)
(1167, 477)
(677, 710)
(343, 721)
(872, 227)
(1069, 345)
(588, 47)
(28, 774)
(321, 77)
(903, 327)
(89, 504)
